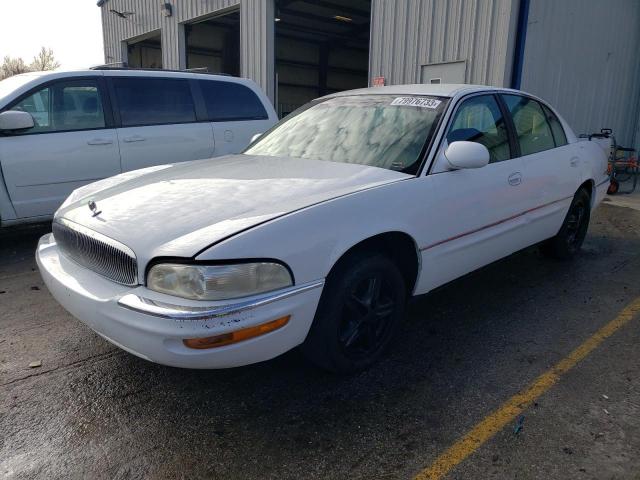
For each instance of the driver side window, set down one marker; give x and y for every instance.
(39, 106)
(64, 107)
(479, 119)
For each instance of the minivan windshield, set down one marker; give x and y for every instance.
(386, 131)
(10, 84)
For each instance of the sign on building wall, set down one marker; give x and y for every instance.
(378, 82)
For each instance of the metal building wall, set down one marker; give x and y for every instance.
(115, 29)
(257, 43)
(582, 56)
(256, 32)
(407, 34)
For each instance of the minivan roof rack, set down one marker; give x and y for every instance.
(124, 66)
(106, 66)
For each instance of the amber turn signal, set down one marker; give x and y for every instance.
(237, 336)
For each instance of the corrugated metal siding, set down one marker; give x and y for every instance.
(257, 58)
(147, 19)
(407, 34)
(582, 56)
(256, 32)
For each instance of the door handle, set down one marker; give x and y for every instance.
(100, 141)
(515, 179)
(574, 161)
(134, 138)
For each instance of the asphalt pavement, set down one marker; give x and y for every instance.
(91, 410)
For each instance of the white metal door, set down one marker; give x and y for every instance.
(158, 121)
(481, 213)
(550, 164)
(68, 147)
(476, 217)
(448, 72)
(158, 144)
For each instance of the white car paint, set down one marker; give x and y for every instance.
(306, 214)
(38, 171)
(242, 191)
(142, 147)
(41, 170)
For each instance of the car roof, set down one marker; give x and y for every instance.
(33, 79)
(133, 72)
(448, 90)
(438, 90)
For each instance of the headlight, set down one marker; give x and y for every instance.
(217, 282)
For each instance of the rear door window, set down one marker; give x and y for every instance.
(480, 120)
(153, 101)
(559, 136)
(228, 101)
(532, 129)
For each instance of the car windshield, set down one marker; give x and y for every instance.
(386, 131)
(10, 84)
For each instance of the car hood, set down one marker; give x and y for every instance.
(180, 209)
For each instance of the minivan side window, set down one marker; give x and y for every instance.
(39, 107)
(228, 101)
(480, 120)
(556, 127)
(153, 101)
(64, 107)
(532, 129)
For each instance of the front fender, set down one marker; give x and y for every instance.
(7, 211)
(310, 241)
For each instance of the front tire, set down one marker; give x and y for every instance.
(359, 312)
(569, 239)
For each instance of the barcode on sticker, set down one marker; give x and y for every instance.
(421, 102)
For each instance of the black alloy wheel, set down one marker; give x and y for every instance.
(576, 226)
(569, 239)
(367, 315)
(360, 310)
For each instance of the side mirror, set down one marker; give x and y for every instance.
(15, 120)
(464, 154)
(255, 137)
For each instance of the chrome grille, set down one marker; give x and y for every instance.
(97, 252)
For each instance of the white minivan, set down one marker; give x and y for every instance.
(62, 130)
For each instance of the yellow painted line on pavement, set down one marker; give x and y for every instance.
(513, 407)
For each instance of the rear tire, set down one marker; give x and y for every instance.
(569, 239)
(359, 312)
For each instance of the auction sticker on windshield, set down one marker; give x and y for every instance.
(422, 102)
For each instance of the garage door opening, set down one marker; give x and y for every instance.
(145, 52)
(214, 44)
(321, 47)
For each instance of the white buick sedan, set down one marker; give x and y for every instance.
(321, 230)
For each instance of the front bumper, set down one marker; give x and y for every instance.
(152, 325)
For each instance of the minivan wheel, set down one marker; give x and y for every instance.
(360, 310)
(574, 228)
